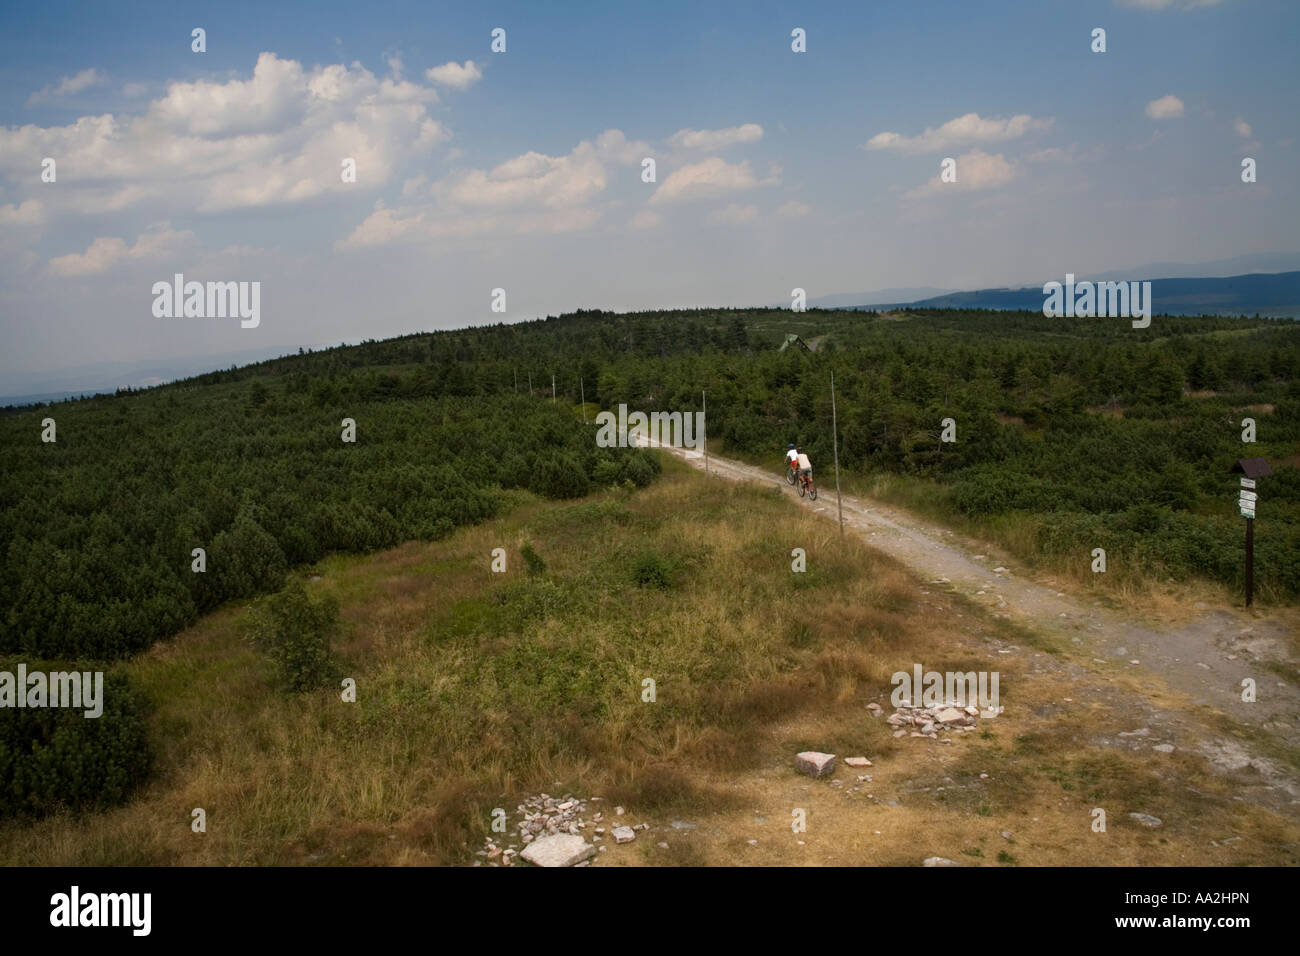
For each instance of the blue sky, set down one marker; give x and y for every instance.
(522, 170)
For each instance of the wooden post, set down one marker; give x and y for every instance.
(704, 401)
(552, 389)
(835, 439)
(1250, 561)
(583, 392)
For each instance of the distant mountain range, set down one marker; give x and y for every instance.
(1234, 267)
(1266, 293)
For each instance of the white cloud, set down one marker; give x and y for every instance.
(1242, 127)
(710, 177)
(971, 128)
(107, 251)
(135, 89)
(976, 170)
(1167, 107)
(792, 209)
(715, 139)
(455, 75)
(733, 215)
(68, 85)
(29, 213)
(277, 138)
(531, 193)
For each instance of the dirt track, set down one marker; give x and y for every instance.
(1206, 660)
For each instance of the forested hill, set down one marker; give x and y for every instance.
(1094, 432)
(1273, 294)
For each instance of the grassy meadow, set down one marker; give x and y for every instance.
(475, 689)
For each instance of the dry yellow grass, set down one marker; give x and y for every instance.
(475, 689)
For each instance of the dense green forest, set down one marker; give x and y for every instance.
(1098, 434)
(1116, 436)
(100, 525)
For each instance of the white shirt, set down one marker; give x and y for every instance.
(791, 455)
(804, 462)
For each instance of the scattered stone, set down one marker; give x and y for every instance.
(875, 708)
(1146, 819)
(939, 861)
(682, 825)
(1164, 748)
(949, 715)
(899, 733)
(1006, 835)
(814, 763)
(560, 849)
(623, 834)
(752, 842)
(618, 811)
(857, 761)
(662, 846)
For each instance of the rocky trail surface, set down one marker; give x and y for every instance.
(1204, 661)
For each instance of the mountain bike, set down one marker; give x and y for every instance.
(807, 487)
(789, 473)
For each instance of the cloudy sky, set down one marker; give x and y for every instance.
(523, 169)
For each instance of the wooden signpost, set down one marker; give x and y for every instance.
(1252, 469)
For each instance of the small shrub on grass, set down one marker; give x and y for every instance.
(650, 570)
(295, 633)
(532, 559)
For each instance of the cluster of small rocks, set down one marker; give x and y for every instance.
(918, 721)
(551, 830)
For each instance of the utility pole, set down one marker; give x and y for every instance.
(835, 439)
(705, 431)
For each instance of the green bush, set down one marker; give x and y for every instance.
(532, 559)
(559, 476)
(56, 758)
(650, 570)
(295, 633)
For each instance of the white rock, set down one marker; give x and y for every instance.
(624, 834)
(1164, 748)
(1146, 819)
(814, 763)
(939, 861)
(562, 849)
(857, 761)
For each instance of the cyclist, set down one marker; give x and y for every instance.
(791, 459)
(805, 467)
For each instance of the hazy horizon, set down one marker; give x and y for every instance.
(522, 170)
